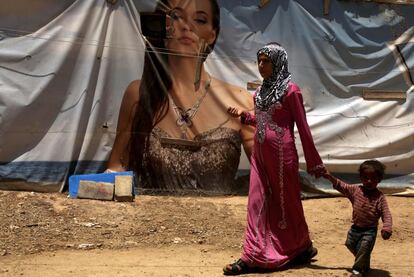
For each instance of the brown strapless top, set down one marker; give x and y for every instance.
(206, 165)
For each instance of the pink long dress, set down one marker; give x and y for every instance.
(276, 229)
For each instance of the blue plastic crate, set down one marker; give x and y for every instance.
(99, 177)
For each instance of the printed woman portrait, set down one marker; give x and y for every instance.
(173, 128)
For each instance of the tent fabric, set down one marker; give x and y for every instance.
(65, 65)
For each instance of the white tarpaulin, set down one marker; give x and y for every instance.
(64, 66)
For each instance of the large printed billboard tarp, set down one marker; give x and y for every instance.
(66, 68)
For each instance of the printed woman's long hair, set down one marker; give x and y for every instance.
(153, 103)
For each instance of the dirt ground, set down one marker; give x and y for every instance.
(44, 234)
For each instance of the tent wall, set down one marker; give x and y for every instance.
(63, 73)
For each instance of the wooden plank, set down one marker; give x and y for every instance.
(383, 94)
(263, 3)
(403, 2)
(326, 6)
(396, 2)
(253, 85)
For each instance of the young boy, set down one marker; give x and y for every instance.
(368, 204)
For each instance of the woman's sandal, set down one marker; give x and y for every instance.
(305, 257)
(310, 253)
(237, 268)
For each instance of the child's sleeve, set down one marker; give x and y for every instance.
(386, 216)
(344, 188)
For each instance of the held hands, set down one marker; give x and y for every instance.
(327, 175)
(385, 235)
(234, 112)
(319, 172)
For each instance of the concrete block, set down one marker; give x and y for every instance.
(95, 190)
(123, 188)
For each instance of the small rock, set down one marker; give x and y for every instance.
(86, 246)
(3, 252)
(87, 224)
(177, 240)
(14, 227)
(130, 243)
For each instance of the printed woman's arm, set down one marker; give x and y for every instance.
(119, 156)
(247, 128)
(247, 135)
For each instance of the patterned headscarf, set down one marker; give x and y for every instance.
(274, 87)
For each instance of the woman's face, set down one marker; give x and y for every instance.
(189, 22)
(264, 65)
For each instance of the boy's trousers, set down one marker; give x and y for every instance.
(360, 241)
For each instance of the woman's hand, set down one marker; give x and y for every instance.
(234, 112)
(319, 171)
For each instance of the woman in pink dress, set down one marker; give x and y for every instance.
(276, 231)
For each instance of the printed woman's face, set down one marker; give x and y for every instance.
(189, 22)
(264, 64)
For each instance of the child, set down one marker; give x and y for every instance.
(369, 204)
